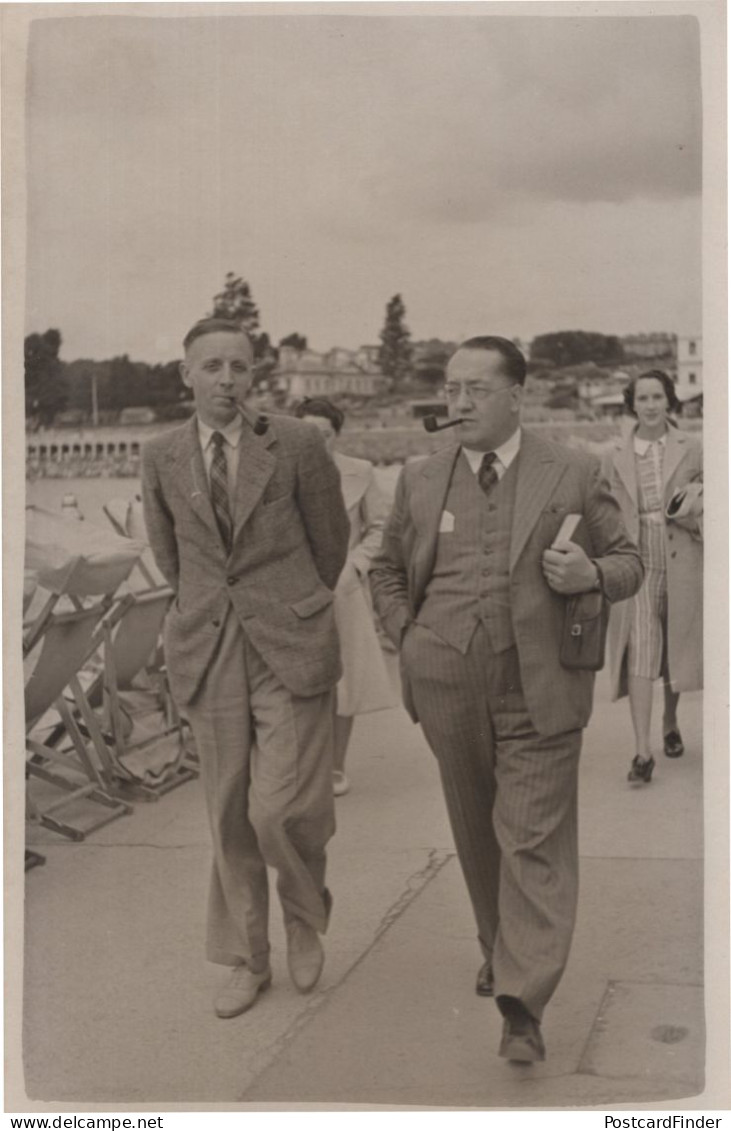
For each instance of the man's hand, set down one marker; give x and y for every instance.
(567, 569)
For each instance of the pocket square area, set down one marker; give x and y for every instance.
(446, 523)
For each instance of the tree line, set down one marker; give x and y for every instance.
(53, 386)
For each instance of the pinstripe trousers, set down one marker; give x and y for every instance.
(511, 795)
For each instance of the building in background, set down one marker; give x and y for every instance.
(305, 373)
(689, 381)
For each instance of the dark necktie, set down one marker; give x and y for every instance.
(219, 490)
(487, 475)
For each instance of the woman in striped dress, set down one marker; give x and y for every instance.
(657, 476)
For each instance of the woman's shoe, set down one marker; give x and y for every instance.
(641, 769)
(673, 744)
(341, 784)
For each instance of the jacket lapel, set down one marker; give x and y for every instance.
(676, 447)
(538, 473)
(191, 475)
(624, 462)
(427, 504)
(354, 479)
(256, 467)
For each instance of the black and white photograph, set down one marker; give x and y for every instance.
(357, 568)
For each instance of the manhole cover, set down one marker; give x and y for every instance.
(650, 1031)
(669, 1034)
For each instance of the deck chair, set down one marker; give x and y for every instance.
(147, 743)
(76, 770)
(128, 521)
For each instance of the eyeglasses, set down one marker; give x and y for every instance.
(476, 393)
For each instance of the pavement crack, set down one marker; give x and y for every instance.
(116, 847)
(415, 884)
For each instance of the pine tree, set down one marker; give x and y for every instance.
(394, 356)
(236, 304)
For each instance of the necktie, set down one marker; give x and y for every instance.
(487, 475)
(219, 490)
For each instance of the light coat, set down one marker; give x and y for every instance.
(289, 546)
(365, 685)
(682, 464)
(552, 481)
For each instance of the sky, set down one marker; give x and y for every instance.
(505, 174)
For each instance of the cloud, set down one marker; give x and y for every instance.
(514, 111)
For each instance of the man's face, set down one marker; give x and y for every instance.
(478, 390)
(218, 368)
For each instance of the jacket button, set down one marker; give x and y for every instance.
(231, 580)
(216, 623)
(674, 554)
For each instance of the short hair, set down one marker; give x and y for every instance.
(657, 375)
(213, 326)
(321, 406)
(514, 364)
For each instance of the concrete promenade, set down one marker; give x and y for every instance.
(118, 995)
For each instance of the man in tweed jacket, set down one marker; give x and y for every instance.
(468, 586)
(251, 533)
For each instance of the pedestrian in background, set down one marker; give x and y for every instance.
(365, 684)
(657, 477)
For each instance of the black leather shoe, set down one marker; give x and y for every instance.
(673, 744)
(485, 986)
(521, 1040)
(641, 769)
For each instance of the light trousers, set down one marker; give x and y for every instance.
(266, 760)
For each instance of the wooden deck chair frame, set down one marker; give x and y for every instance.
(127, 651)
(67, 641)
(120, 529)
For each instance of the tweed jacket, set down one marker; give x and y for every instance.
(289, 545)
(552, 481)
(682, 464)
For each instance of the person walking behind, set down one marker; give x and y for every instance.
(365, 684)
(656, 474)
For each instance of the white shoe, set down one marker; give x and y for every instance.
(241, 991)
(341, 784)
(305, 956)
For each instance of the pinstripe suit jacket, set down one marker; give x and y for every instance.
(552, 481)
(289, 545)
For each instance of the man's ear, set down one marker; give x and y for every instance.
(184, 374)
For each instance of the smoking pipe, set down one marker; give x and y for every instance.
(430, 423)
(259, 425)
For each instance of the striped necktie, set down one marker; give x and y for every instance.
(487, 475)
(219, 490)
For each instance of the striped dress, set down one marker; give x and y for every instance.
(649, 606)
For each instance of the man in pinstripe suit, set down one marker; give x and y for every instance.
(470, 583)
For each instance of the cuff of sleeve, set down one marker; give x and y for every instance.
(598, 586)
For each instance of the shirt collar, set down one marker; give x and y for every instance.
(232, 432)
(506, 453)
(643, 446)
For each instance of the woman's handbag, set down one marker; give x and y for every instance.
(584, 631)
(686, 508)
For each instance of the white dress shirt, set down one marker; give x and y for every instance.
(506, 453)
(232, 435)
